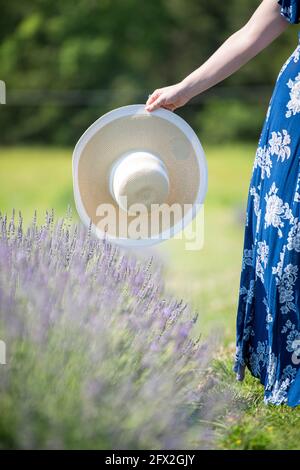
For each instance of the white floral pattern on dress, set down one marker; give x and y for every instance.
(279, 144)
(293, 105)
(263, 160)
(286, 283)
(297, 192)
(271, 369)
(289, 372)
(278, 269)
(276, 210)
(279, 392)
(258, 357)
(293, 241)
(292, 345)
(269, 318)
(256, 206)
(248, 294)
(247, 257)
(262, 259)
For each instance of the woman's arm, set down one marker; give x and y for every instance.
(265, 25)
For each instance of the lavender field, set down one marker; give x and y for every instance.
(97, 356)
(113, 349)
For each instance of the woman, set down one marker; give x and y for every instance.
(268, 318)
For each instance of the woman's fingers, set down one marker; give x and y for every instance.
(163, 98)
(153, 97)
(156, 103)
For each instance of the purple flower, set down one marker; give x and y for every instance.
(97, 357)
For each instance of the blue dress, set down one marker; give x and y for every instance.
(268, 317)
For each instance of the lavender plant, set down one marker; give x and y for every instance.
(97, 357)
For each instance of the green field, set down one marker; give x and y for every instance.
(208, 279)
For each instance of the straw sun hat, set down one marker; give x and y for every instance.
(139, 177)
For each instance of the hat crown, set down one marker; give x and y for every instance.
(139, 177)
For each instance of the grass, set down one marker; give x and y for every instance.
(35, 178)
(249, 424)
(40, 178)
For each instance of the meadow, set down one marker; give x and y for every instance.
(208, 279)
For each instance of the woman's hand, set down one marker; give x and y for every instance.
(263, 27)
(170, 97)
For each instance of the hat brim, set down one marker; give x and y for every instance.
(132, 128)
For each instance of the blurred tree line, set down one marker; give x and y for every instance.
(66, 63)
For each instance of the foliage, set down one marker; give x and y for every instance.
(96, 356)
(66, 64)
(235, 121)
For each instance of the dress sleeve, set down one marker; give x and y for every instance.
(290, 9)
